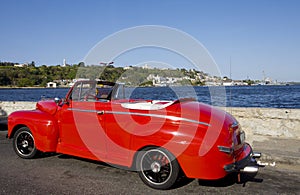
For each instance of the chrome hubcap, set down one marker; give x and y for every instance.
(155, 167)
(24, 144)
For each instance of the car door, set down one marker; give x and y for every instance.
(82, 131)
(118, 137)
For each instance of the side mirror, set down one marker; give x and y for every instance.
(57, 100)
(61, 101)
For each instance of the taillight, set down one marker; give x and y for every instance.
(233, 127)
(229, 147)
(238, 135)
(242, 137)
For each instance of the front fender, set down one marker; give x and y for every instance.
(42, 125)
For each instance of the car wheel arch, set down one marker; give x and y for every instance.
(148, 147)
(15, 129)
(171, 180)
(135, 156)
(24, 143)
(40, 143)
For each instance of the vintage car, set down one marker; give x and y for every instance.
(161, 140)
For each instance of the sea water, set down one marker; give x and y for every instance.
(234, 96)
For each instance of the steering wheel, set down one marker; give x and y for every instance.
(89, 97)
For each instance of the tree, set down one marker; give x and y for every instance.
(81, 64)
(4, 79)
(32, 64)
(25, 82)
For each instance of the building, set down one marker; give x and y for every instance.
(21, 65)
(51, 85)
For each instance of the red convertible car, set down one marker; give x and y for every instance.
(161, 140)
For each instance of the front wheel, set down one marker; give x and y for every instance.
(158, 168)
(23, 143)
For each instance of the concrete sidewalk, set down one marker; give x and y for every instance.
(278, 150)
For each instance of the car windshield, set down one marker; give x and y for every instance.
(96, 91)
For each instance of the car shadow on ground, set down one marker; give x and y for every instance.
(182, 181)
(228, 180)
(100, 163)
(46, 155)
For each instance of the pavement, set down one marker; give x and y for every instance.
(278, 151)
(275, 151)
(63, 174)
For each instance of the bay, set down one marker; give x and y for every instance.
(234, 96)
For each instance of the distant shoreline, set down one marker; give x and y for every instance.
(8, 87)
(67, 87)
(265, 96)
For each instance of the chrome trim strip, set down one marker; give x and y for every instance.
(225, 149)
(82, 110)
(173, 118)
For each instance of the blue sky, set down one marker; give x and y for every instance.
(258, 36)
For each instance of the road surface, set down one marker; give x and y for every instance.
(62, 174)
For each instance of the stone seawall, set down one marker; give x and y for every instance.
(264, 123)
(256, 122)
(8, 107)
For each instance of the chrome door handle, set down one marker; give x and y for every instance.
(100, 112)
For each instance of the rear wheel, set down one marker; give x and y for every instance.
(23, 143)
(158, 168)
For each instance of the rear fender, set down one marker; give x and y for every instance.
(43, 127)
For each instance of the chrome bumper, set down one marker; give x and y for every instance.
(246, 165)
(253, 167)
